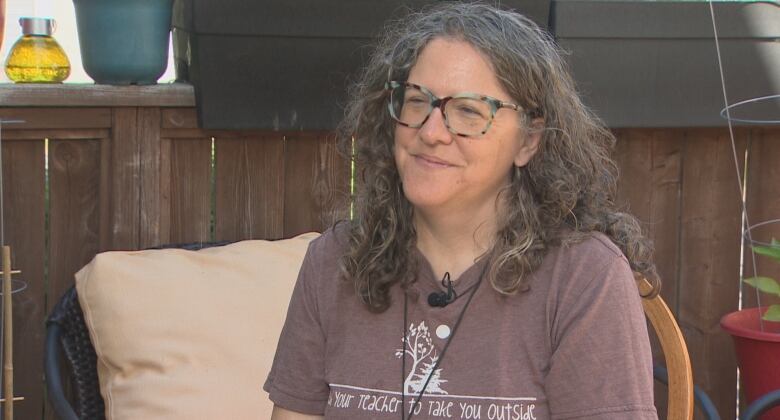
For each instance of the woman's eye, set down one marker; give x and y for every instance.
(469, 111)
(416, 100)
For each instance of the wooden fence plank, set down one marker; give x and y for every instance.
(663, 226)
(179, 118)
(24, 207)
(57, 118)
(649, 188)
(710, 260)
(194, 133)
(67, 134)
(190, 191)
(74, 219)
(149, 157)
(166, 146)
(124, 180)
(632, 154)
(316, 183)
(250, 188)
(185, 133)
(105, 194)
(763, 204)
(89, 94)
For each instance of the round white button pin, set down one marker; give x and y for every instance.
(442, 331)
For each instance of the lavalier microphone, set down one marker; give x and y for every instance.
(442, 299)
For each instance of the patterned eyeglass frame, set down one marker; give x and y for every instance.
(441, 103)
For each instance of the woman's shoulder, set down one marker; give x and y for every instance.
(584, 257)
(587, 246)
(591, 244)
(325, 252)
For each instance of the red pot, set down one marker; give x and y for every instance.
(758, 353)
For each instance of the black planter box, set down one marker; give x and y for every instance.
(654, 64)
(282, 64)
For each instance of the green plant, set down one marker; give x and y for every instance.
(768, 284)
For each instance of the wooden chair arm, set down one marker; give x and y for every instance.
(678, 362)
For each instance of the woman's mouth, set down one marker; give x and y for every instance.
(431, 161)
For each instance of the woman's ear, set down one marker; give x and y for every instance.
(531, 140)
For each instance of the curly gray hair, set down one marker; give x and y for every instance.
(565, 193)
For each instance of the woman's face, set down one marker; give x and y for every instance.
(443, 171)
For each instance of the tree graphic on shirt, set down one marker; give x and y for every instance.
(419, 346)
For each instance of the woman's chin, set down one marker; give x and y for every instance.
(425, 199)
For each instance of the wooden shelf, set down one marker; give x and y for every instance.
(91, 95)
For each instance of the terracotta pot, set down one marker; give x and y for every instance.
(757, 353)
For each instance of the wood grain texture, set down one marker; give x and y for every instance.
(710, 244)
(316, 183)
(24, 221)
(149, 158)
(180, 118)
(105, 195)
(632, 153)
(763, 205)
(190, 191)
(166, 178)
(649, 187)
(192, 133)
(92, 95)
(66, 134)
(663, 225)
(74, 218)
(57, 118)
(665, 211)
(250, 188)
(125, 179)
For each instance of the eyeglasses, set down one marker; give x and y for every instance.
(465, 114)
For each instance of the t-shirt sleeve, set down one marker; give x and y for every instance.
(601, 365)
(297, 377)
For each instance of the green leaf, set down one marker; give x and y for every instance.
(764, 284)
(772, 251)
(772, 314)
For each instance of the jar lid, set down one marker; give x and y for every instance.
(36, 26)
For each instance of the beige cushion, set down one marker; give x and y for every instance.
(189, 335)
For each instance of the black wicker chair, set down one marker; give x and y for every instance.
(66, 330)
(67, 335)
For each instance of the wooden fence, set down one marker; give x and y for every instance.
(128, 173)
(682, 184)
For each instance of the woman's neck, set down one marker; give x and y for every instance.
(452, 244)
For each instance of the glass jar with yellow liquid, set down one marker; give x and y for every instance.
(36, 57)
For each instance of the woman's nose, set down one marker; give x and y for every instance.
(435, 130)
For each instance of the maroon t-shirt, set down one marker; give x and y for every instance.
(574, 346)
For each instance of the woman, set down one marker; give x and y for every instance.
(486, 273)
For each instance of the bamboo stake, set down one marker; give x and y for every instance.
(8, 363)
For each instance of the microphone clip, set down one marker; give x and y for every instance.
(442, 299)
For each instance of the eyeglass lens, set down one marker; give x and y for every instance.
(463, 115)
